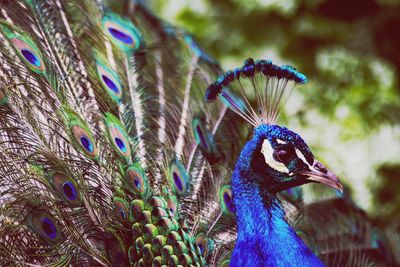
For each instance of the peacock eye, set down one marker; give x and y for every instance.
(271, 159)
(284, 155)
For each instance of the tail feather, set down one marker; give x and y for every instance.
(97, 120)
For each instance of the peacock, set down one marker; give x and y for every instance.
(111, 153)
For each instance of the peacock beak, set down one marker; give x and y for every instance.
(320, 174)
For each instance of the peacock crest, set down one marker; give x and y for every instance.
(269, 83)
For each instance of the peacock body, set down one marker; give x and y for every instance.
(110, 155)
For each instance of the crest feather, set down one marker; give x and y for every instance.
(269, 83)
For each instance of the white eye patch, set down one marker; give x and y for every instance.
(279, 141)
(301, 156)
(268, 151)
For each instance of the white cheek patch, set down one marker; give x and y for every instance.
(268, 151)
(301, 156)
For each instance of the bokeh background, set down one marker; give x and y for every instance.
(349, 112)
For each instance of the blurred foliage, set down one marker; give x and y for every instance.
(387, 193)
(350, 52)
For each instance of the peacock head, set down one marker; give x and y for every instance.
(277, 159)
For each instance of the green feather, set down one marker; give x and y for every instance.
(136, 181)
(109, 79)
(117, 136)
(24, 47)
(122, 32)
(80, 134)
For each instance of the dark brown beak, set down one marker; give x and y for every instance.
(320, 174)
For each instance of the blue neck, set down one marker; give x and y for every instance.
(264, 236)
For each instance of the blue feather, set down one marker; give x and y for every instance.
(264, 237)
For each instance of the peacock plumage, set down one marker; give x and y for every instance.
(111, 155)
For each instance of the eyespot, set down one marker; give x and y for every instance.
(85, 140)
(80, 134)
(117, 136)
(69, 190)
(66, 188)
(44, 225)
(268, 152)
(110, 82)
(30, 57)
(136, 178)
(177, 181)
(172, 204)
(206, 141)
(178, 176)
(200, 134)
(29, 53)
(121, 209)
(121, 35)
(226, 200)
(122, 32)
(25, 47)
(201, 242)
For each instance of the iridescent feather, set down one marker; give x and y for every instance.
(109, 155)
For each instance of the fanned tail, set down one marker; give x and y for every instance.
(109, 154)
